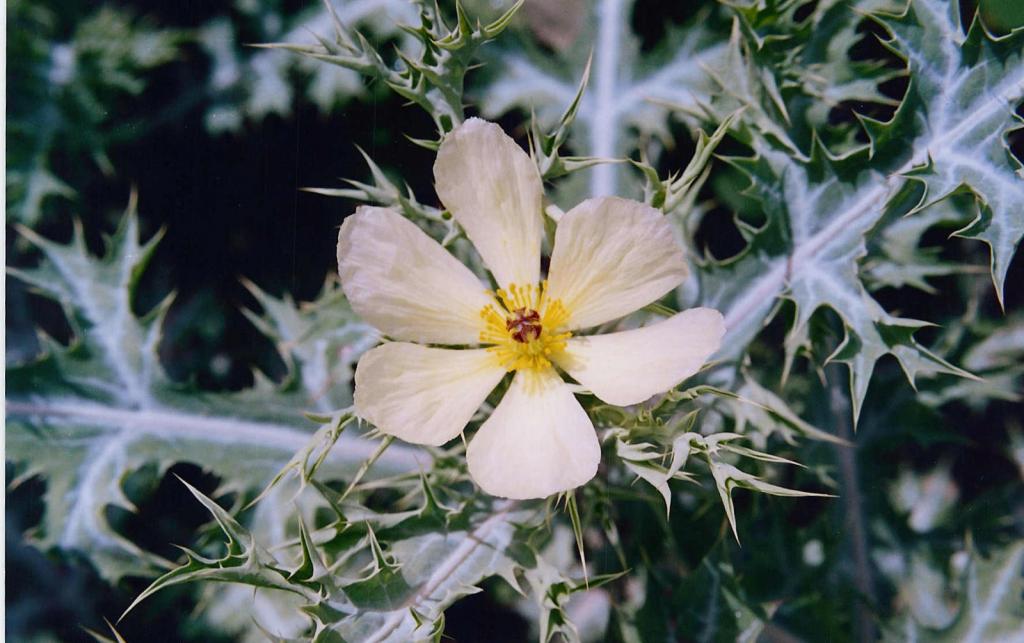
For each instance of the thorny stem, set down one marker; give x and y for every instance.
(864, 622)
(384, 444)
(444, 572)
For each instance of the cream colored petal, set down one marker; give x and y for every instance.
(421, 394)
(631, 366)
(611, 257)
(493, 190)
(537, 442)
(404, 283)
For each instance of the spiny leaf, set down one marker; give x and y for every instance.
(627, 90)
(990, 603)
(85, 416)
(677, 194)
(245, 562)
(577, 530)
(103, 639)
(768, 414)
(552, 584)
(310, 561)
(248, 83)
(438, 568)
(321, 444)
(821, 269)
(433, 81)
(727, 476)
(645, 460)
(385, 193)
(97, 298)
(741, 84)
(896, 257)
(238, 536)
(319, 341)
(365, 466)
(545, 147)
(820, 209)
(965, 89)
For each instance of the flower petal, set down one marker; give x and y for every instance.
(493, 190)
(537, 442)
(631, 366)
(421, 394)
(404, 283)
(611, 257)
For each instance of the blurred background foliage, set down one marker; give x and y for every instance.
(216, 138)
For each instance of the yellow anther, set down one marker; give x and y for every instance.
(524, 328)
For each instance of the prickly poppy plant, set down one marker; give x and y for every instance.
(641, 322)
(610, 257)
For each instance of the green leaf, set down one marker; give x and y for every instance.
(87, 415)
(249, 84)
(820, 209)
(436, 568)
(768, 414)
(103, 639)
(319, 341)
(727, 476)
(646, 460)
(712, 605)
(97, 298)
(384, 192)
(818, 215)
(991, 607)
(627, 89)
(69, 76)
(245, 562)
(741, 84)
(898, 259)
(801, 67)
(678, 194)
(965, 89)
(433, 80)
(371, 576)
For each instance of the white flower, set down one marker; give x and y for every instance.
(610, 257)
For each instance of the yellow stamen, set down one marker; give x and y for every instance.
(524, 328)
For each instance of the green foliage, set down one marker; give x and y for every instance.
(384, 192)
(989, 595)
(964, 92)
(628, 89)
(432, 79)
(348, 585)
(64, 82)
(820, 209)
(251, 84)
(87, 415)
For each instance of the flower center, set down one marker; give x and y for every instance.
(524, 327)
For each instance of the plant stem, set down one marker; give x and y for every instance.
(864, 622)
(603, 126)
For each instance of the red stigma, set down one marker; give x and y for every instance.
(524, 325)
